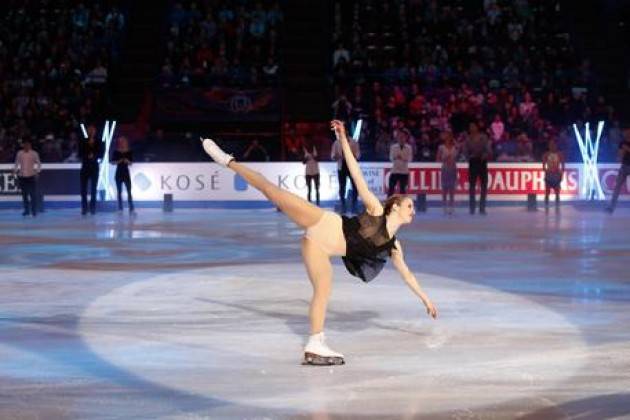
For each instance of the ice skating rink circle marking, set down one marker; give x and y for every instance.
(236, 333)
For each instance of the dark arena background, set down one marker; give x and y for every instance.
(141, 278)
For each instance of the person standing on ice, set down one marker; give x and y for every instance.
(311, 173)
(553, 165)
(364, 242)
(624, 170)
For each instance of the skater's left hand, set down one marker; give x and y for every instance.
(338, 127)
(431, 310)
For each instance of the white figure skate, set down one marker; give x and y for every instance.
(318, 353)
(215, 152)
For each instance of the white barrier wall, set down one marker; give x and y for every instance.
(211, 182)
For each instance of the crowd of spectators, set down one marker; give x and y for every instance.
(417, 68)
(54, 62)
(222, 42)
(423, 67)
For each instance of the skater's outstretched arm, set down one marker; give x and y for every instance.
(410, 279)
(372, 204)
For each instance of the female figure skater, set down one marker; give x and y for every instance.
(123, 158)
(364, 242)
(447, 155)
(311, 173)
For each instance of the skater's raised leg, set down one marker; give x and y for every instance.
(300, 211)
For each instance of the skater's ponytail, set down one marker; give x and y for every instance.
(394, 199)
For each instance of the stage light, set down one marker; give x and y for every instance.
(103, 176)
(84, 131)
(591, 187)
(357, 130)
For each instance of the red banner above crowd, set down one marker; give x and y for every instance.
(221, 104)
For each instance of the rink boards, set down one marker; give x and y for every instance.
(209, 182)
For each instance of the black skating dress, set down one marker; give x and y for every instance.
(368, 245)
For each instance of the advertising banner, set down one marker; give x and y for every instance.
(211, 182)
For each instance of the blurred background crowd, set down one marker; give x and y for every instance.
(266, 75)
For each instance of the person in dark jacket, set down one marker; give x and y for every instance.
(91, 151)
(123, 157)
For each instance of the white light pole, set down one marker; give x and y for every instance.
(591, 187)
(103, 176)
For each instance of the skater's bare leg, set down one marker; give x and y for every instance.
(319, 271)
(300, 211)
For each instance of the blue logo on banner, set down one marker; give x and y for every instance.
(239, 183)
(142, 181)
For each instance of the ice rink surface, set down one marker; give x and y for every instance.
(203, 314)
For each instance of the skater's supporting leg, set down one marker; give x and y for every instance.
(319, 271)
(300, 211)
